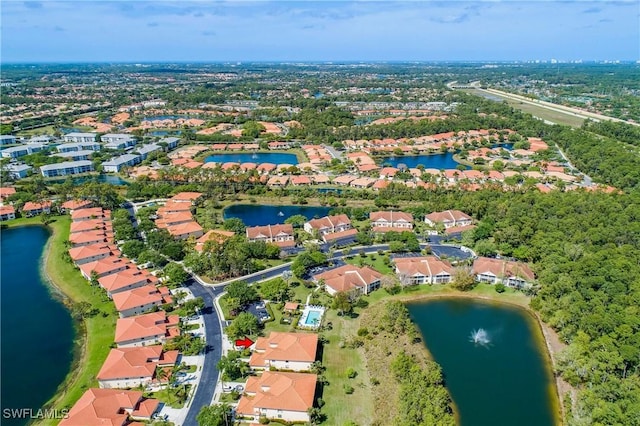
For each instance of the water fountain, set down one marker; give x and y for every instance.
(254, 156)
(280, 214)
(480, 337)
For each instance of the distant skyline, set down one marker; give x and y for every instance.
(220, 31)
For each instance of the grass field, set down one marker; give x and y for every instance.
(376, 261)
(95, 334)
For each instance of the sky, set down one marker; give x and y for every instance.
(237, 30)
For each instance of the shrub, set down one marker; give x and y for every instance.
(348, 389)
(363, 331)
(500, 288)
(375, 381)
(351, 373)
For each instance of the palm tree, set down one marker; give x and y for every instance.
(161, 375)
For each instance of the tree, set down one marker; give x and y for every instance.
(233, 367)
(342, 302)
(175, 273)
(132, 248)
(215, 415)
(275, 289)
(245, 324)
(463, 279)
(234, 224)
(297, 220)
(241, 291)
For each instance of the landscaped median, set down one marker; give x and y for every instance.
(95, 330)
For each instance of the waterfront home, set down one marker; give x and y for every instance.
(285, 351)
(71, 205)
(7, 213)
(91, 225)
(112, 407)
(79, 137)
(278, 395)
(33, 209)
(126, 280)
(140, 300)
(66, 168)
(91, 253)
(382, 221)
(281, 235)
(216, 235)
(148, 329)
(449, 218)
(90, 214)
(135, 366)
(79, 239)
(104, 266)
(351, 279)
(507, 272)
(328, 224)
(422, 270)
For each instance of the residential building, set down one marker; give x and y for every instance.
(278, 395)
(90, 253)
(213, 235)
(148, 329)
(117, 137)
(104, 266)
(120, 144)
(21, 150)
(186, 197)
(71, 205)
(90, 214)
(351, 279)
(391, 221)
(170, 142)
(112, 407)
(6, 191)
(126, 280)
(449, 218)
(507, 272)
(87, 238)
(281, 235)
(140, 300)
(75, 155)
(33, 209)
(341, 238)
(67, 168)
(134, 366)
(7, 213)
(7, 140)
(17, 171)
(182, 231)
(422, 270)
(285, 351)
(42, 139)
(115, 164)
(79, 146)
(147, 149)
(79, 137)
(328, 224)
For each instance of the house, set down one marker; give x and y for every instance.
(278, 395)
(186, 197)
(121, 144)
(148, 329)
(104, 266)
(117, 137)
(391, 221)
(17, 171)
(286, 351)
(341, 238)
(66, 168)
(89, 214)
(350, 278)
(71, 205)
(7, 140)
(281, 235)
(147, 149)
(140, 300)
(75, 155)
(79, 146)
(115, 164)
(89, 253)
(328, 224)
(507, 272)
(213, 235)
(6, 192)
(21, 150)
(90, 225)
(135, 366)
(112, 407)
(182, 231)
(422, 270)
(79, 239)
(449, 218)
(170, 142)
(33, 209)
(126, 280)
(7, 213)
(79, 137)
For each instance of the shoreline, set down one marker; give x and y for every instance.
(544, 336)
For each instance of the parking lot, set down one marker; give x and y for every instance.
(258, 310)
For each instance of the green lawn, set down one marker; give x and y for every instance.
(376, 261)
(96, 333)
(275, 324)
(340, 407)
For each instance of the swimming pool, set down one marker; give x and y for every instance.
(311, 317)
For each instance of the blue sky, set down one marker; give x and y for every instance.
(212, 31)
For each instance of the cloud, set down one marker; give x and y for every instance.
(592, 10)
(33, 5)
(450, 19)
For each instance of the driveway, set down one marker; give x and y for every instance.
(209, 375)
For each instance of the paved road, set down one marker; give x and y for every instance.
(209, 375)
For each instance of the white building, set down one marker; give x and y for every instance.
(79, 137)
(66, 168)
(79, 146)
(21, 150)
(18, 171)
(116, 137)
(147, 149)
(115, 164)
(75, 155)
(7, 140)
(171, 142)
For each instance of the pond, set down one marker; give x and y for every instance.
(110, 179)
(432, 161)
(257, 215)
(257, 157)
(165, 132)
(37, 330)
(493, 359)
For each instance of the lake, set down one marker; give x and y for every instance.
(165, 117)
(257, 215)
(493, 359)
(258, 158)
(37, 330)
(433, 161)
(111, 179)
